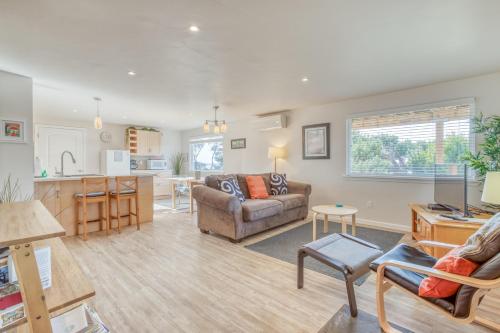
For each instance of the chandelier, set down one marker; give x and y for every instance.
(219, 126)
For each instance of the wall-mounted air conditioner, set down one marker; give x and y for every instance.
(268, 123)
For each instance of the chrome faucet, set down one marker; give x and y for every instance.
(62, 161)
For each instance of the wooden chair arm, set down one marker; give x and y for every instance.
(470, 281)
(427, 243)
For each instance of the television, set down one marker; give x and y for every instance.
(450, 189)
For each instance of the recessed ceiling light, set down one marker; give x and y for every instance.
(75, 110)
(131, 73)
(305, 79)
(194, 28)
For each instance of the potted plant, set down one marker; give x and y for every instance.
(177, 162)
(488, 156)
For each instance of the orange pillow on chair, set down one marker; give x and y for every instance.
(256, 187)
(451, 263)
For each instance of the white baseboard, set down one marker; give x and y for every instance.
(372, 223)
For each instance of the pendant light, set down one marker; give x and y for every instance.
(219, 126)
(98, 119)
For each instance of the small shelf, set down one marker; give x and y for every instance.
(24, 222)
(69, 284)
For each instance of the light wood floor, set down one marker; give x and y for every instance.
(169, 277)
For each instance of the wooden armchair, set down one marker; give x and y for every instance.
(404, 267)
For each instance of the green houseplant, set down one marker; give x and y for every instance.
(177, 162)
(488, 156)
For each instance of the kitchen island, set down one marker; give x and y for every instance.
(58, 196)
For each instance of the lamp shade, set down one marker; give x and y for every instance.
(491, 189)
(276, 152)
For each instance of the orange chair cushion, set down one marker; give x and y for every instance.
(256, 187)
(451, 263)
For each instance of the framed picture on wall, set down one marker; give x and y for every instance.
(239, 143)
(316, 141)
(12, 131)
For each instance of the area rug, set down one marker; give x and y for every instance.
(285, 245)
(342, 322)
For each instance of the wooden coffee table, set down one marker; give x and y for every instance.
(335, 211)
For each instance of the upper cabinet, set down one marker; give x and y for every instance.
(143, 142)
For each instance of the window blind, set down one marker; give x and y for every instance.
(414, 143)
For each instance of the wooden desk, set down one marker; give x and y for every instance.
(429, 225)
(190, 183)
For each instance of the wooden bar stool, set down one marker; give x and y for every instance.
(125, 189)
(95, 190)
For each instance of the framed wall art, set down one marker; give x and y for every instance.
(239, 143)
(12, 131)
(316, 141)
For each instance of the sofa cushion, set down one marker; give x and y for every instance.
(290, 201)
(213, 180)
(279, 184)
(243, 182)
(484, 244)
(256, 187)
(230, 186)
(256, 209)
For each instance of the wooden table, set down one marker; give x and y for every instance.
(190, 182)
(430, 225)
(336, 211)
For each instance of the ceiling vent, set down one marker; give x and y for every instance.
(269, 123)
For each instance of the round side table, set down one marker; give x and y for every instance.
(335, 211)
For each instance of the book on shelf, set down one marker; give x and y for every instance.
(43, 260)
(10, 295)
(11, 315)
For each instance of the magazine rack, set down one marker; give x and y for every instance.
(23, 227)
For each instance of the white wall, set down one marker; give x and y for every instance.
(16, 103)
(389, 198)
(170, 140)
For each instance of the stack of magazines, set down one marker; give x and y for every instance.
(11, 302)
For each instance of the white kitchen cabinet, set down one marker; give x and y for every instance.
(144, 143)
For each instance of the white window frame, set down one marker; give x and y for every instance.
(472, 138)
(204, 138)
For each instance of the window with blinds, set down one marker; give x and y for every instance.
(411, 143)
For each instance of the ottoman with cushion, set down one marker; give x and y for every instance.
(347, 254)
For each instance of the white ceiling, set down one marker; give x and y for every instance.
(249, 55)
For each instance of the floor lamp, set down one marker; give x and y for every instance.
(275, 153)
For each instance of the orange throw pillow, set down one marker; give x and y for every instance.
(451, 263)
(256, 187)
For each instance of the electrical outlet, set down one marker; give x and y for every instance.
(369, 204)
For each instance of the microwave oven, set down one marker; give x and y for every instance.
(157, 164)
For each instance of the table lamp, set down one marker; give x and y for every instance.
(275, 153)
(491, 189)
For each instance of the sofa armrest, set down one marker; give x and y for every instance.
(299, 188)
(216, 199)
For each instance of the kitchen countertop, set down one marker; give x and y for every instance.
(71, 178)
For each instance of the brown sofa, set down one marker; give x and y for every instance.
(224, 214)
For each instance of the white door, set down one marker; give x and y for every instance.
(52, 141)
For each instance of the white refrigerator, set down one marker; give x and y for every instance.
(115, 162)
